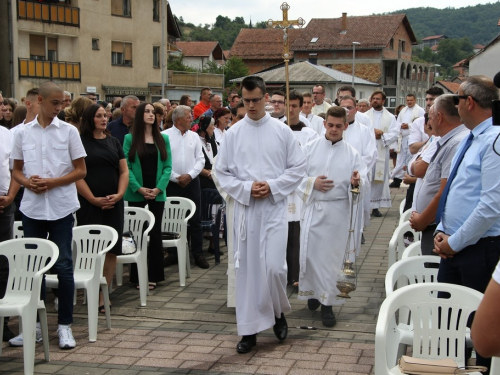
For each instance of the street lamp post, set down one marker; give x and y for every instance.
(354, 44)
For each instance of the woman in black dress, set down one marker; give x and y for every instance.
(209, 146)
(101, 192)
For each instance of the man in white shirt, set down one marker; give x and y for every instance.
(48, 159)
(187, 163)
(361, 118)
(408, 114)
(363, 105)
(315, 121)
(258, 165)
(320, 106)
(386, 132)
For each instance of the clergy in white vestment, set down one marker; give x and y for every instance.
(315, 122)
(361, 118)
(258, 165)
(333, 168)
(303, 134)
(362, 139)
(386, 132)
(405, 119)
(320, 105)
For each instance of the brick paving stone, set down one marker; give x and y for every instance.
(120, 360)
(272, 370)
(231, 368)
(159, 362)
(198, 357)
(162, 354)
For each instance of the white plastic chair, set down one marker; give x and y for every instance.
(18, 229)
(397, 245)
(413, 250)
(91, 243)
(402, 206)
(439, 323)
(405, 216)
(28, 260)
(175, 219)
(136, 219)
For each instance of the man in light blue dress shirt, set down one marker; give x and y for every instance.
(468, 236)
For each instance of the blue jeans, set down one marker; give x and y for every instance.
(61, 233)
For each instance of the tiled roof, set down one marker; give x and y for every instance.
(197, 49)
(434, 48)
(305, 72)
(479, 46)
(434, 37)
(370, 31)
(261, 43)
(452, 87)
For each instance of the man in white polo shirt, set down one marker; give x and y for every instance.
(48, 158)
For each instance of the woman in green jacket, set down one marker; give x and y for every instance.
(150, 163)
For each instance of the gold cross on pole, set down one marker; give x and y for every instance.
(284, 25)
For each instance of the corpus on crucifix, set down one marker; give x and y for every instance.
(285, 24)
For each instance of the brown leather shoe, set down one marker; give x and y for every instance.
(201, 261)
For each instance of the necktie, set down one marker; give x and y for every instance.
(451, 177)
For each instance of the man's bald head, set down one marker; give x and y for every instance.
(48, 88)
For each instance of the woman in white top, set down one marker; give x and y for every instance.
(222, 118)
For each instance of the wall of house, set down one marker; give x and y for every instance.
(486, 63)
(393, 53)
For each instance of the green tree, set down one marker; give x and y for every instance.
(234, 68)
(177, 64)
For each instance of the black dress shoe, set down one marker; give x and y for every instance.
(396, 183)
(327, 316)
(313, 304)
(280, 328)
(7, 333)
(170, 260)
(362, 239)
(201, 261)
(376, 212)
(246, 344)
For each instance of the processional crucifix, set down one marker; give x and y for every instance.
(284, 25)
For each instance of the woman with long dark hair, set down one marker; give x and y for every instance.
(209, 146)
(150, 163)
(101, 192)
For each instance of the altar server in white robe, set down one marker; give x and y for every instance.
(303, 134)
(361, 138)
(334, 167)
(386, 132)
(259, 164)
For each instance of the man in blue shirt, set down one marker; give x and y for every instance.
(468, 235)
(120, 127)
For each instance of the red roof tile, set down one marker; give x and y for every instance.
(434, 37)
(196, 49)
(370, 31)
(450, 86)
(261, 43)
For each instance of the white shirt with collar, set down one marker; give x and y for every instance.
(187, 154)
(49, 153)
(6, 141)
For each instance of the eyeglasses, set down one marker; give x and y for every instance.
(277, 102)
(253, 100)
(456, 98)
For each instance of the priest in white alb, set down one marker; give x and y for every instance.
(333, 168)
(259, 164)
(386, 132)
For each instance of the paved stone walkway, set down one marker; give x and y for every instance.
(189, 330)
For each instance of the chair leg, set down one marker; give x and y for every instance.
(119, 274)
(29, 333)
(142, 270)
(42, 313)
(1, 332)
(181, 256)
(92, 311)
(105, 295)
(188, 260)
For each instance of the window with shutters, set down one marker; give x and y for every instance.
(43, 48)
(156, 56)
(121, 8)
(121, 53)
(156, 10)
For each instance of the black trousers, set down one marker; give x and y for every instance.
(195, 233)
(409, 197)
(293, 251)
(472, 267)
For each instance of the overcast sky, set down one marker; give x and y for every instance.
(203, 11)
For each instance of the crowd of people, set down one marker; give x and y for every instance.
(287, 183)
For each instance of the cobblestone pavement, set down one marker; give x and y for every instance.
(189, 330)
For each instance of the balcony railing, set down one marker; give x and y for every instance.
(176, 78)
(49, 69)
(48, 13)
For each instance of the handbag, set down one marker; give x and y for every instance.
(422, 366)
(128, 244)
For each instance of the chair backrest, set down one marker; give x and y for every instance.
(209, 198)
(176, 215)
(414, 271)
(140, 222)
(413, 250)
(439, 323)
(29, 259)
(402, 206)
(405, 216)
(397, 244)
(91, 243)
(18, 229)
